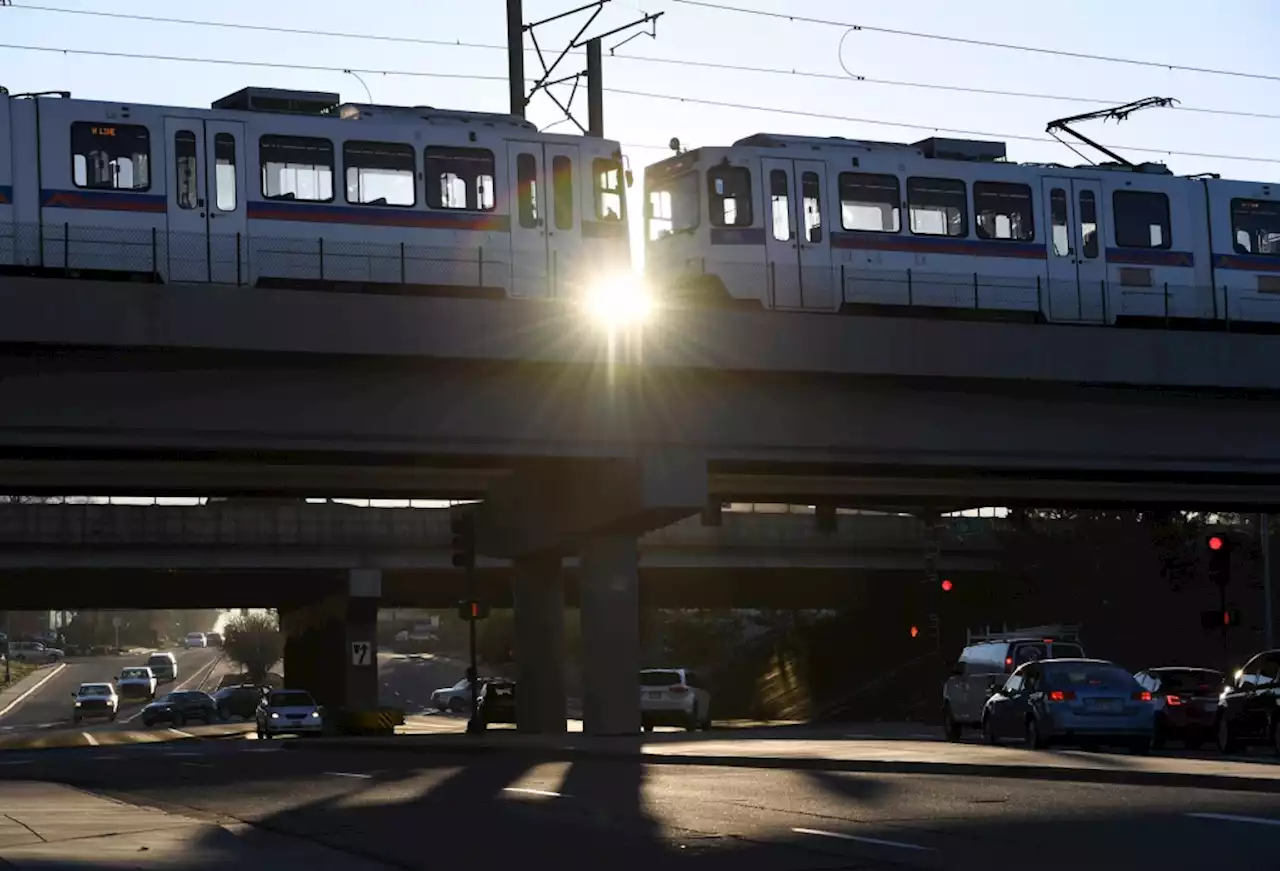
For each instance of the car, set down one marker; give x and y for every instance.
(1186, 702)
(213, 639)
(34, 651)
(240, 700)
(986, 663)
(195, 639)
(1084, 702)
(178, 708)
(1247, 708)
(671, 697)
(455, 699)
(288, 712)
(164, 666)
(137, 682)
(497, 703)
(95, 701)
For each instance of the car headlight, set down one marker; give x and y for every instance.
(315, 714)
(274, 715)
(622, 300)
(77, 704)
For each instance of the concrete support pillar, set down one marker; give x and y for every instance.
(609, 587)
(331, 643)
(538, 592)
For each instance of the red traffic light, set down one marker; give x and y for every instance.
(946, 586)
(1226, 618)
(1215, 542)
(915, 630)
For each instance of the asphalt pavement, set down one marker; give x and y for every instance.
(407, 680)
(415, 809)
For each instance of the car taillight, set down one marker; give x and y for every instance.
(678, 690)
(1062, 696)
(1143, 696)
(1173, 701)
(1008, 663)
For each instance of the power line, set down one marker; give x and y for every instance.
(982, 43)
(848, 76)
(644, 94)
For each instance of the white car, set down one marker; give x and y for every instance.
(195, 639)
(670, 697)
(288, 712)
(137, 683)
(95, 701)
(455, 699)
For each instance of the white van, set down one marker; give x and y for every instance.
(195, 639)
(164, 666)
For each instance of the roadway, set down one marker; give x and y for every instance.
(412, 809)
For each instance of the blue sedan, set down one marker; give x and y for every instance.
(1086, 702)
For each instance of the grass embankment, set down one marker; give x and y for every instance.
(17, 671)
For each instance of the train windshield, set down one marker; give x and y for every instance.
(673, 205)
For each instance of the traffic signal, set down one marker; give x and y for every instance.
(1228, 619)
(1219, 547)
(472, 609)
(946, 586)
(462, 523)
(915, 631)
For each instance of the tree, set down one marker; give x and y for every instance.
(255, 642)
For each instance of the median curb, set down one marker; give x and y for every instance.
(566, 749)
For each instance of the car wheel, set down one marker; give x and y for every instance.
(1141, 747)
(147, 724)
(1161, 736)
(706, 725)
(1195, 743)
(692, 724)
(646, 727)
(179, 721)
(224, 713)
(1035, 741)
(1227, 742)
(455, 705)
(988, 731)
(75, 720)
(113, 716)
(949, 725)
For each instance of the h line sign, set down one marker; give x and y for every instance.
(361, 653)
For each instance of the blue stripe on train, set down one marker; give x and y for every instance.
(1150, 257)
(108, 201)
(938, 245)
(288, 210)
(1246, 262)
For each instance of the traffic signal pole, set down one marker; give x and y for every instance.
(1264, 534)
(462, 523)
(473, 722)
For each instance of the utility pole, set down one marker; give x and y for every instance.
(1264, 533)
(595, 89)
(515, 55)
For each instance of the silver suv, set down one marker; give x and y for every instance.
(33, 651)
(987, 661)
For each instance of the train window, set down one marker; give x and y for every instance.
(780, 202)
(380, 173)
(729, 190)
(870, 203)
(673, 205)
(184, 167)
(527, 190)
(1255, 226)
(811, 200)
(562, 180)
(460, 178)
(296, 168)
(608, 190)
(1088, 225)
(1002, 211)
(1061, 226)
(937, 207)
(1142, 219)
(224, 171)
(110, 156)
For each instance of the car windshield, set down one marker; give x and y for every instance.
(95, 689)
(659, 678)
(157, 660)
(461, 685)
(291, 699)
(135, 673)
(1086, 676)
(1189, 680)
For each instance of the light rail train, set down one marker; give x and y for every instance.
(949, 227)
(297, 189)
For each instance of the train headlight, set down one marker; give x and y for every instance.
(621, 300)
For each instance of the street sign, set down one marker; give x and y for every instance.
(361, 653)
(117, 621)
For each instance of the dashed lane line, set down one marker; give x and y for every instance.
(879, 842)
(88, 736)
(26, 695)
(524, 790)
(350, 774)
(1233, 818)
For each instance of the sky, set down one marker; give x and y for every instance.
(1229, 34)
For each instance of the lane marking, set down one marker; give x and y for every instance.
(180, 733)
(44, 680)
(348, 774)
(198, 764)
(107, 756)
(173, 755)
(1233, 818)
(863, 840)
(93, 742)
(16, 761)
(524, 790)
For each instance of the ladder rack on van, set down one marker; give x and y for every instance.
(1057, 632)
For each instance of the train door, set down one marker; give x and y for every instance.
(206, 200)
(797, 249)
(1076, 289)
(8, 223)
(566, 217)
(529, 275)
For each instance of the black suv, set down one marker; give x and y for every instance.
(1248, 709)
(497, 703)
(240, 700)
(177, 708)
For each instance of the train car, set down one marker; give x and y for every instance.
(297, 189)
(947, 227)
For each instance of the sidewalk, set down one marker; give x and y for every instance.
(45, 825)
(19, 690)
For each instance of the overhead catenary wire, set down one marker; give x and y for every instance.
(847, 76)
(678, 98)
(983, 43)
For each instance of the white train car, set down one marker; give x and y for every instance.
(298, 189)
(948, 227)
